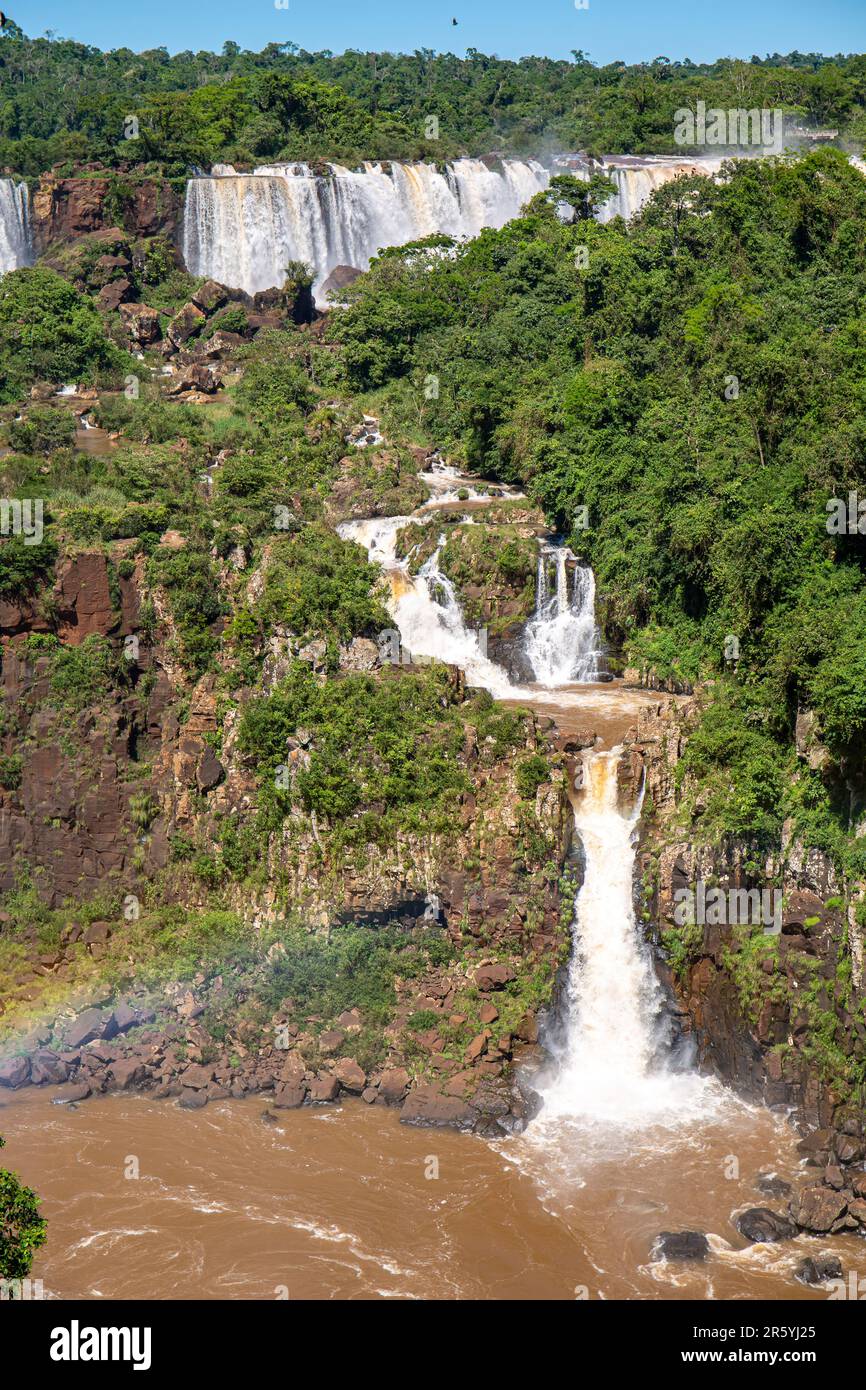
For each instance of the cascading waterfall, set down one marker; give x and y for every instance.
(563, 642)
(613, 1064)
(243, 229)
(637, 179)
(426, 609)
(15, 244)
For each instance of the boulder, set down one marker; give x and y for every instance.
(196, 1078)
(350, 1076)
(426, 1106)
(817, 1208)
(324, 1088)
(196, 377)
(287, 1097)
(490, 977)
(126, 1073)
(681, 1245)
(141, 323)
(393, 1085)
(331, 1041)
(339, 279)
(185, 323)
(85, 1028)
(761, 1224)
(210, 296)
(818, 1269)
(14, 1072)
(193, 1100)
(111, 296)
(72, 1094)
(210, 770)
(47, 1069)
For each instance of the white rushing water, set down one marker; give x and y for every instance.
(613, 1065)
(563, 642)
(15, 246)
(426, 610)
(243, 229)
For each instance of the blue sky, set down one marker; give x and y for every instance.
(608, 29)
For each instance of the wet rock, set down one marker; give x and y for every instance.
(772, 1186)
(817, 1208)
(289, 1097)
(759, 1224)
(196, 1078)
(819, 1269)
(14, 1072)
(126, 1073)
(370, 1095)
(72, 1094)
(681, 1245)
(46, 1069)
(857, 1210)
(192, 1100)
(325, 1088)
(428, 1107)
(268, 1118)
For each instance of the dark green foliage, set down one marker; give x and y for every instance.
(321, 586)
(24, 567)
(63, 101)
(22, 1229)
(530, 774)
(388, 744)
(191, 584)
(42, 431)
(354, 967)
(48, 331)
(85, 675)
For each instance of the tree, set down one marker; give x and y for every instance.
(22, 1229)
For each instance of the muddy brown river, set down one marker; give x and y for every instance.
(344, 1202)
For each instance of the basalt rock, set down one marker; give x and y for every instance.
(761, 1224)
(681, 1245)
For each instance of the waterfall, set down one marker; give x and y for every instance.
(613, 1062)
(426, 609)
(243, 229)
(563, 643)
(636, 178)
(15, 245)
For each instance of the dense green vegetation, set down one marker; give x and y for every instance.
(699, 389)
(62, 102)
(386, 749)
(51, 332)
(22, 1229)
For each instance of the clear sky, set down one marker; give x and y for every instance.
(629, 29)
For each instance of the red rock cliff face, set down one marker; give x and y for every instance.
(63, 209)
